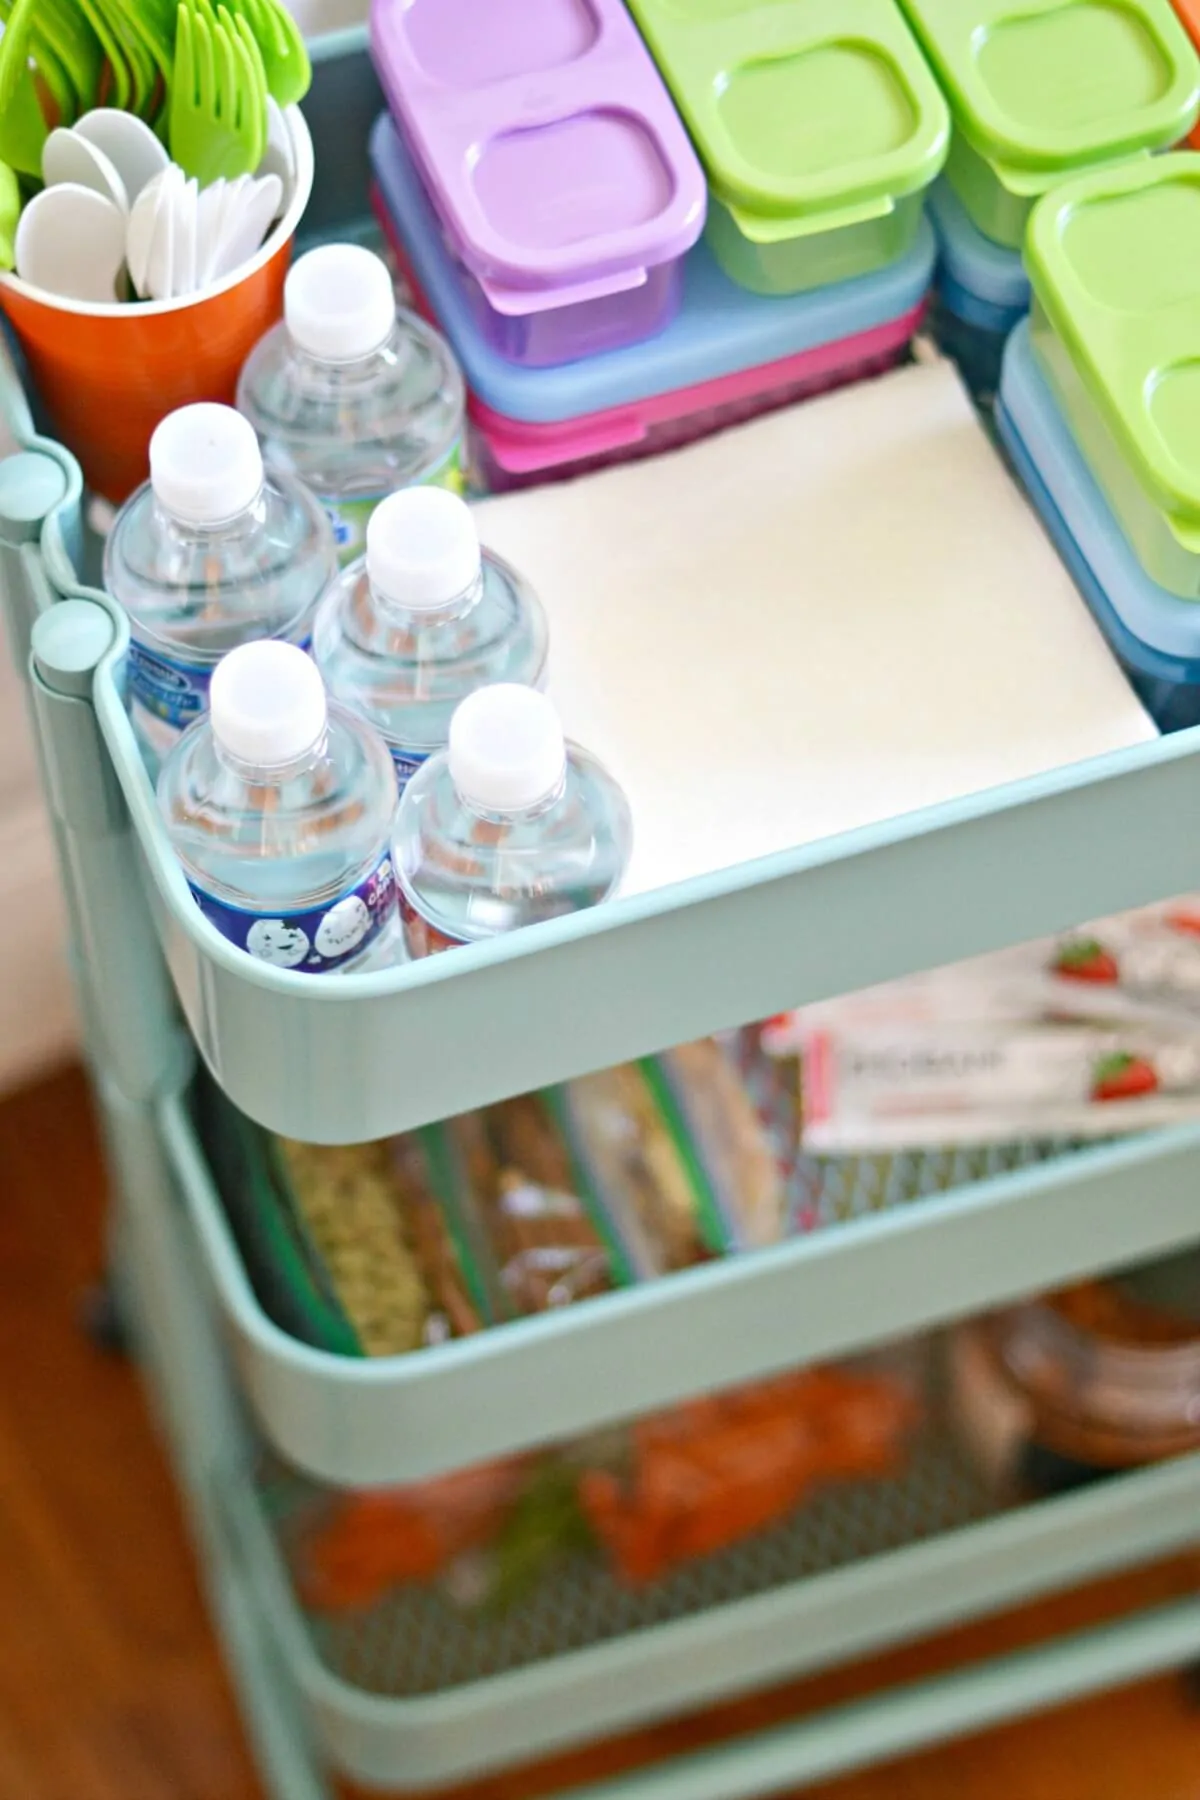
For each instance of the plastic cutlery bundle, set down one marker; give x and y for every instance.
(200, 71)
(114, 203)
(181, 238)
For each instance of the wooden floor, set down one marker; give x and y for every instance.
(110, 1685)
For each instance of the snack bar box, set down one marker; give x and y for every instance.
(729, 355)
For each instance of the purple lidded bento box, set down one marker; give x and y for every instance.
(566, 187)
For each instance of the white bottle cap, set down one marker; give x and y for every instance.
(267, 703)
(339, 303)
(205, 464)
(422, 548)
(507, 749)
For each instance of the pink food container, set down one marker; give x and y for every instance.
(564, 185)
(509, 453)
(728, 356)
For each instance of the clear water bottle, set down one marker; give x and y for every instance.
(209, 554)
(280, 807)
(420, 622)
(508, 826)
(356, 398)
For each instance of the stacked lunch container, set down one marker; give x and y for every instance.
(546, 205)
(1100, 408)
(1038, 93)
(981, 293)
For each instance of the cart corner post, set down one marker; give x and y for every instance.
(32, 486)
(129, 1011)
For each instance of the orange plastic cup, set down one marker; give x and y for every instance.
(1189, 12)
(107, 374)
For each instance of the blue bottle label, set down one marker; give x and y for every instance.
(315, 942)
(174, 692)
(167, 694)
(407, 763)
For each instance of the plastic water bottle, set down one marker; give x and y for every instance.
(508, 826)
(209, 554)
(356, 398)
(280, 807)
(420, 622)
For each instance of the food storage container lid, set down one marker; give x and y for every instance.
(555, 160)
(1043, 83)
(985, 270)
(809, 115)
(1114, 258)
(721, 328)
(1145, 615)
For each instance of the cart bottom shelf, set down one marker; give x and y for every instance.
(416, 1642)
(412, 1692)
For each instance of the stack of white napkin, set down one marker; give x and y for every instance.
(822, 619)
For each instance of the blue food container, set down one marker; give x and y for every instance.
(982, 292)
(728, 354)
(1154, 634)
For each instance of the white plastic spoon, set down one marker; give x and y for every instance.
(160, 263)
(69, 158)
(279, 158)
(183, 265)
(129, 144)
(140, 234)
(71, 242)
(208, 229)
(232, 201)
(247, 223)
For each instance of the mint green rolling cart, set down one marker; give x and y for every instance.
(366, 1055)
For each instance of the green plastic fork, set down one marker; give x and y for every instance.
(65, 54)
(148, 27)
(23, 129)
(73, 44)
(218, 112)
(252, 73)
(123, 91)
(281, 43)
(10, 212)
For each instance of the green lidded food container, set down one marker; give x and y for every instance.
(1114, 260)
(819, 126)
(1044, 89)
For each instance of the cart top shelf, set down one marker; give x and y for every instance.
(951, 852)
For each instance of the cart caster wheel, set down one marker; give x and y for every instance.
(103, 1320)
